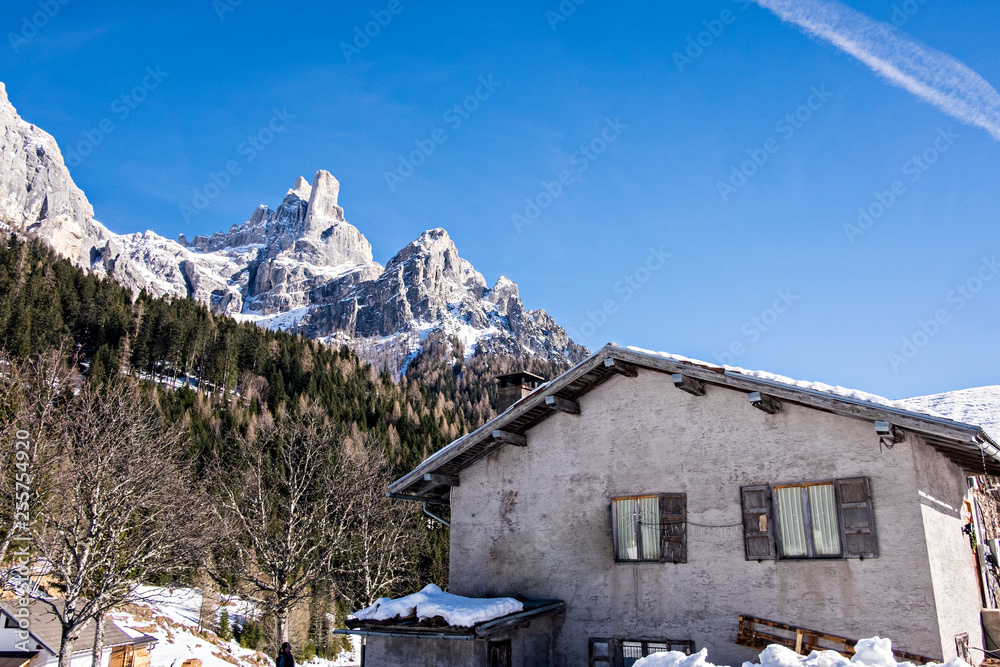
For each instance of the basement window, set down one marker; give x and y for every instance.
(651, 528)
(626, 652)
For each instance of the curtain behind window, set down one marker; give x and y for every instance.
(823, 507)
(792, 518)
(628, 514)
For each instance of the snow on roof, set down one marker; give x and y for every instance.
(874, 652)
(919, 405)
(431, 602)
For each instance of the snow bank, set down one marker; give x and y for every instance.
(874, 652)
(430, 602)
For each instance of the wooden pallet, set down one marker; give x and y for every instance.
(803, 640)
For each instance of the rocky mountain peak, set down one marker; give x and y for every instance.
(37, 195)
(323, 209)
(301, 266)
(302, 189)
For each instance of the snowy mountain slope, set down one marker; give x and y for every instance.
(301, 267)
(171, 615)
(979, 406)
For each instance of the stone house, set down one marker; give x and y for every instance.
(671, 503)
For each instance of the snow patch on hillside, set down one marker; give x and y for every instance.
(171, 615)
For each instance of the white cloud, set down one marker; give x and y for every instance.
(931, 75)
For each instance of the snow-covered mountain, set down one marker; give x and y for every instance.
(300, 267)
(979, 406)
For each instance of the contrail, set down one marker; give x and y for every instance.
(931, 75)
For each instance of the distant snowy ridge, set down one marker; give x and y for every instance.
(976, 407)
(301, 267)
(979, 406)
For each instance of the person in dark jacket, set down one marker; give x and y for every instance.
(285, 658)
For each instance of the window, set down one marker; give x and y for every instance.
(650, 528)
(831, 519)
(626, 652)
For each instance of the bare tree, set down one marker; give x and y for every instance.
(280, 499)
(385, 536)
(115, 503)
(32, 395)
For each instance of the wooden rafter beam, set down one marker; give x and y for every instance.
(509, 438)
(562, 404)
(442, 480)
(764, 402)
(620, 367)
(689, 384)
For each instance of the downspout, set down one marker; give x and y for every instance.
(435, 516)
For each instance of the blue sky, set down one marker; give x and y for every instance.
(762, 273)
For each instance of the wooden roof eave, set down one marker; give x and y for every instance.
(961, 442)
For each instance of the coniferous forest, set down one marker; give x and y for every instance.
(240, 407)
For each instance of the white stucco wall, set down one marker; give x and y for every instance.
(956, 586)
(536, 521)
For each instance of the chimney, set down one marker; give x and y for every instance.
(514, 387)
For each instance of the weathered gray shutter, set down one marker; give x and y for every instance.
(758, 523)
(603, 653)
(857, 518)
(673, 527)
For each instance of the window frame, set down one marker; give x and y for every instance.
(614, 529)
(671, 542)
(807, 520)
(616, 649)
(855, 506)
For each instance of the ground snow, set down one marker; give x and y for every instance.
(431, 602)
(171, 615)
(874, 652)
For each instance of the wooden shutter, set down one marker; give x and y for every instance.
(758, 523)
(673, 527)
(857, 518)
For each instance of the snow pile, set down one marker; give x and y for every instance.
(432, 602)
(874, 652)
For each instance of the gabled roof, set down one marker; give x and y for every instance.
(968, 445)
(46, 630)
